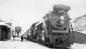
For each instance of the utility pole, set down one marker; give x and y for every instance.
(12, 33)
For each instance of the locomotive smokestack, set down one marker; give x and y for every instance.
(61, 7)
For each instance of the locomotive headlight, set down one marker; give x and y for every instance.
(61, 19)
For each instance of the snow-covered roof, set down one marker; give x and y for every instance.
(4, 23)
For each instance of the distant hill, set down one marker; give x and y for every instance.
(80, 23)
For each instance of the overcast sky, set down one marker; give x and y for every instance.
(25, 12)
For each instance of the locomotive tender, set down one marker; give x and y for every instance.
(55, 30)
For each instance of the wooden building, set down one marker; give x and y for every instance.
(5, 31)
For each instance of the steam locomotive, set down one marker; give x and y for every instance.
(54, 31)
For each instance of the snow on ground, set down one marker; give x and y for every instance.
(20, 45)
(17, 44)
(78, 46)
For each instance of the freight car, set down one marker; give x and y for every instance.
(55, 30)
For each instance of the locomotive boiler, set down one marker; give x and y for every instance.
(55, 30)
